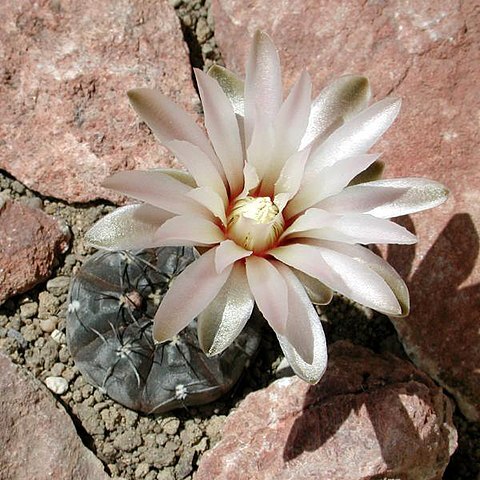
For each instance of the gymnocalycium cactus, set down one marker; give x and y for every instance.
(113, 299)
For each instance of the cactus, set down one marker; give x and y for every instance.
(112, 301)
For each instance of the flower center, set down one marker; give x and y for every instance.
(255, 223)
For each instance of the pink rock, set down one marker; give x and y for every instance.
(428, 53)
(29, 242)
(38, 438)
(370, 417)
(66, 66)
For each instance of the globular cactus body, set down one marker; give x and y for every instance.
(112, 301)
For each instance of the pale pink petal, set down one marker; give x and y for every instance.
(179, 175)
(328, 181)
(226, 315)
(356, 136)
(292, 173)
(378, 265)
(263, 83)
(168, 121)
(188, 230)
(337, 102)
(289, 127)
(318, 293)
(303, 344)
(292, 118)
(232, 86)
(260, 149)
(210, 199)
(156, 188)
(269, 290)
(281, 200)
(301, 315)
(229, 252)
(312, 219)
(389, 198)
(127, 228)
(222, 128)
(361, 228)
(251, 179)
(190, 293)
(199, 165)
(342, 274)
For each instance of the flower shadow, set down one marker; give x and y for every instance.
(441, 324)
(368, 399)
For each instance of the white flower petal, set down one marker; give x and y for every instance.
(329, 181)
(156, 188)
(312, 219)
(378, 265)
(289, 127)
(263, 83)
(342, 274)
(188, 230)
(210, 199)
(260, 149)
(251, 179)
(224, 318)
(365, 229)
(229, 252)
(222, 128)
(269, 290)
(388, 198)
(318, 293)
(168, 121)
(291, 175)
(337, 102)
(190, 293)
(303, 320)
(356, 136)
(199, 165)
(232, 86)
(301, 315)
(127, 228)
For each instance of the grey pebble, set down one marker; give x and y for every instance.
(58, 285)
(127, 441)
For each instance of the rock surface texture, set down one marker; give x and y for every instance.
(38, 438)
(29, 242)
(66, 67)
(428, 54)
(370, 417)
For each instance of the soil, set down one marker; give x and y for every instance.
(168, 446)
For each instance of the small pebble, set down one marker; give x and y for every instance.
(59, 336)
(57, 369)
(33, 202)
(28, 310)
(69, 374)
(170, 425)
(58, 285)
(48, 325)
(57, 385)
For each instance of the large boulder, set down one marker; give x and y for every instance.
(66, 66)
(427, 53)
(371, 416)
(38, 438)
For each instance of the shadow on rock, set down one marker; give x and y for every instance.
(375, 412)
(441, 334)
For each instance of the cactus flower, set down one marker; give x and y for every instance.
(281, 196)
